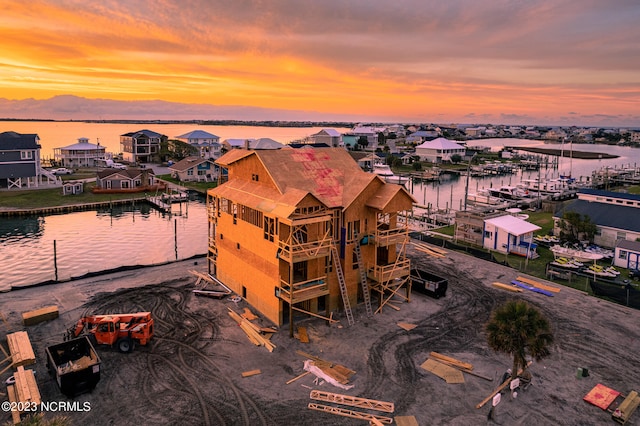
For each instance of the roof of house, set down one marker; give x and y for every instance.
(605, 214)
(198, 134)
(440, 143)
(610, 194)
(513, 225)
(126, 174)
(84, 146)
(148, 133)
(13, 140)
(189, 162)
(328, 132)
(629, 245)
(262, 143)
(329, 174)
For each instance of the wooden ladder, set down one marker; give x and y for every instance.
(363, 278)
(343, 284)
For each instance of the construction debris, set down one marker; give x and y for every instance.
(352, 401)
(349, 413)
(40, 315)
(251, 373)
(406, 420)
(252, 331)
(538, 284)
(302, 335)
(203, 284)
(509, 287)
(406, 326)
(449, 374)
(626, 408)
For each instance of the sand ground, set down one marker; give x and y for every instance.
(191, 372)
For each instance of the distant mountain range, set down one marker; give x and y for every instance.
(69, 107)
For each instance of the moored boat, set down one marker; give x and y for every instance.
(387, 174)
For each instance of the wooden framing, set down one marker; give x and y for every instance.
(352, 401)
(349, 413)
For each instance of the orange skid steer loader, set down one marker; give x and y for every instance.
(116, 330)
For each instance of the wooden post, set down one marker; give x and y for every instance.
(55, 260)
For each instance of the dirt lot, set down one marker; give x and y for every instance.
(191, 373)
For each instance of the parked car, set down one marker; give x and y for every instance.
(62, 171)
(119, 166)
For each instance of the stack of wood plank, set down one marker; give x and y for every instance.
(24, 392)
(40, 315)
(449, 369)
(259, 336)
(626, 408)
(20, 349)
(338, 372)
(431, 251)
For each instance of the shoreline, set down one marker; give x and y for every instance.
(580, 155)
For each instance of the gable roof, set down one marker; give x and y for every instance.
(629, 245)
(126, 174)
(329, 174)
(328, 132)
(440, 143)
(189, 162)
(198, 134)
(513, 225)
(605, 214)
(14, 140)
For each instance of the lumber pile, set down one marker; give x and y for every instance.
(203, 282)
(40, 315)
(538, 284)
(20, 349)
(254, 333)
(509, 287)
(626, 408)
(24, 392)
(352, 401)
(337, 372)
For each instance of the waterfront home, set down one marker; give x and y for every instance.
(142, 146)
(129, 180)
(422, 136)
(305, 230)
(439, 150)
(254, 144)
(615, 214)
(330, 137)
(627, 254)
(20, 162)
(510, 235)
(207, 143)
(194, 169)
(81, 154)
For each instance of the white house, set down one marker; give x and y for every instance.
(330, 137)
(511, 235)
(439, 150)
(207, 143)
(627, 254)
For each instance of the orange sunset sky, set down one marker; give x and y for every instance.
(512, 62)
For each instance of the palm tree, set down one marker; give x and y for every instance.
(519, 329)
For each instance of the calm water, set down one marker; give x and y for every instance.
(93, 241)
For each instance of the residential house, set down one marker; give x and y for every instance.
(330, 137)
(627, 255)
(439, 150)
(142, 146)
(81, 154)
(129, 180)
(20, 162)
(615, 214)
(195, 169)
(510, 235)
(253, 144)
(207, 143)
(422, 136)
(307, 231)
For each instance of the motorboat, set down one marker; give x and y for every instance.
(579, 255)
(601, 271)
(385, 172)
(564, 262)
(509, 192)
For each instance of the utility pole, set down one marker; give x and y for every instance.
(466, 187)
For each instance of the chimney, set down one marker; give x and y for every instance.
(246, 144)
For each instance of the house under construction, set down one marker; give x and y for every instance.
(306, 230)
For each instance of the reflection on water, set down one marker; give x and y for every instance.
(93, 241)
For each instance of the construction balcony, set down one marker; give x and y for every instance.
(304, 290)
(386, 273)
(293, 253)
(383, 238)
